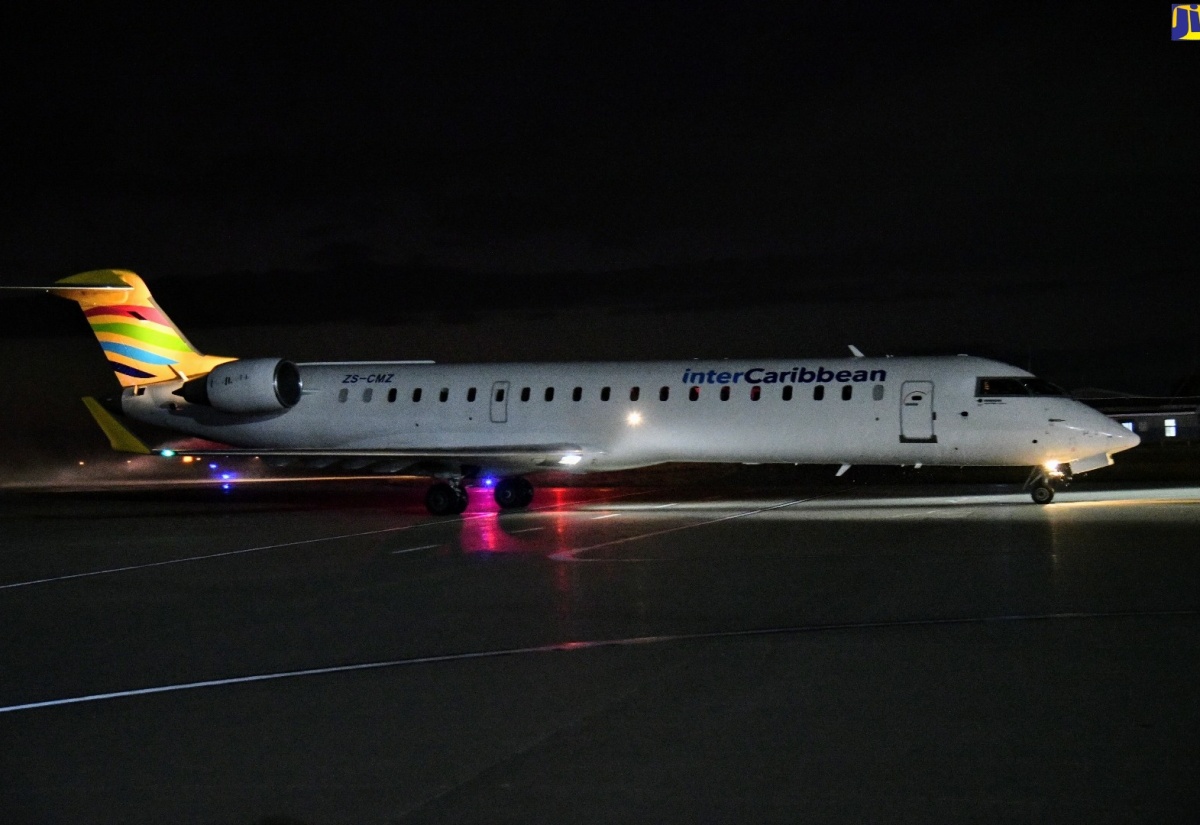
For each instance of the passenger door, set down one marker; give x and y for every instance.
(916, 413)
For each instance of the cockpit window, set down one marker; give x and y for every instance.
(1037, 386)
(991, 387)
(1001, 386)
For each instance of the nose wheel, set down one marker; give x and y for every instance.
(1042, 493)
(1043, 482)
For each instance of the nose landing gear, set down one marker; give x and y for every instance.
(1044, 481)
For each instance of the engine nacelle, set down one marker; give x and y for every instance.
(249, 385)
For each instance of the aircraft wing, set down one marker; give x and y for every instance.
(425, 460)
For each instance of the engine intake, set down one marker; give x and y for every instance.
(249, 385)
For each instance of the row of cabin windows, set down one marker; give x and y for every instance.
(664, 393)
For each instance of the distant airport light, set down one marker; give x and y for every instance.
(212, 466)
(488, 481)
(570, 460)
(1169, 428)
(167, 453)
(188, 459)
(634, 418)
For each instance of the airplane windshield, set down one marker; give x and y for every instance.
(1037, 386)
(1015, 386)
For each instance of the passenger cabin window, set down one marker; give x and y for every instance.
(367, 393)
(664, 393)
(524, 393)
(343, 394)
(634, 393)
(1018, 386)
(724, 393)
(877, 392)
(392, 395)
(847, 392)
(755, 392)
(471, 396)
(416, 395)
(549, 393)
(694, 393)
(499, 394)
(605, 393)
(444, 395)
(819, 392)
(787, 392)
(577, 394)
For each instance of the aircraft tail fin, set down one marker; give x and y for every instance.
(141, 343)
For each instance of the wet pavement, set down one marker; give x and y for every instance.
(332, 654)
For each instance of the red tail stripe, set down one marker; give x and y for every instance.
(135, 312)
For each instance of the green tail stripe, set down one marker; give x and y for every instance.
(166, 340)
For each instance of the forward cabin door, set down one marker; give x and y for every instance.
(500, 402)
(916, 412)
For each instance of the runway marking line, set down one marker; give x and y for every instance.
(297, 543)
(415, 549)
(573, 555)
(570, 647)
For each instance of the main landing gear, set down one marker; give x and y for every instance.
(446, 498)
(512, 493)
(1045, 481)
(449, 498)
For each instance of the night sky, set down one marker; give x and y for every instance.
(615, 180)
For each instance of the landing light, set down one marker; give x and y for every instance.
(570, 460)
(634, 418)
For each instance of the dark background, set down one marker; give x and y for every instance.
(605, 181)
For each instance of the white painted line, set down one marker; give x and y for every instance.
(528, 530)
(228, 553)
(415, 549)
(610, 515)
(573, 555)
(571, 647)
(225, 554)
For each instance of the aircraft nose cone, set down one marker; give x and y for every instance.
(1123, 437)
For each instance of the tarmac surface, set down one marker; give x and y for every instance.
(328, 653)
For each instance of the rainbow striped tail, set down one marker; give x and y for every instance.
(141, 343)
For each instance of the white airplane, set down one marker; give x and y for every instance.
(462, 424)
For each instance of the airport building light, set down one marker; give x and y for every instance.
(1169, 430)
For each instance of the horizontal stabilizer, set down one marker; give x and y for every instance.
(120, 438)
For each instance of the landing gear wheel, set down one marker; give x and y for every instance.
(446, 499)
(512, 493)
(526, 492)
(1042, 493)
